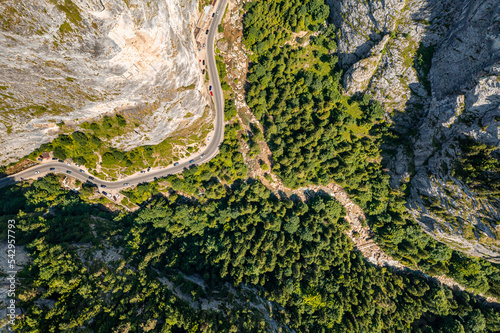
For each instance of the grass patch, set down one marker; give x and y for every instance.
(190, 87)
(71, 10)
(65, 28)
(9, 17)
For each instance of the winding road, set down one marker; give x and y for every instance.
(211, 150)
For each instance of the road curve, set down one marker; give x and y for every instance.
(211, 150)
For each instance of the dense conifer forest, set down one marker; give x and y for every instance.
(219, 252)
(317, 135)
(293, 254)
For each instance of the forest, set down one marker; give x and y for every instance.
(218, 251)
(90, 146)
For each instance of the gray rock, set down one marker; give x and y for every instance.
(466, 102)
(358, 76)
(472, 45)
(361, 25)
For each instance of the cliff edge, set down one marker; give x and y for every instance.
(72, 61)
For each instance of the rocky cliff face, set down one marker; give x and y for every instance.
(439, 78)
(75, 60)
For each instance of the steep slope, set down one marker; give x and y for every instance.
(463, 114)
(435, 66)
(72, 61)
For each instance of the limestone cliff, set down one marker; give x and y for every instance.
(75, 60)
(439, 79)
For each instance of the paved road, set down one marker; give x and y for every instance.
(211, 150)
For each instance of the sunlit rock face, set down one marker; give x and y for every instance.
(76, 60)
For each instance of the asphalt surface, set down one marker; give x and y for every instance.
(210, 151)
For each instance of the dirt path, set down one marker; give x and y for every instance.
(236, 59)
(235, 56)
(361, 236)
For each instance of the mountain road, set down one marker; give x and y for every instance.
(211, 150)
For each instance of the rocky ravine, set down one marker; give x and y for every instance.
(75, 60)
(435, 65)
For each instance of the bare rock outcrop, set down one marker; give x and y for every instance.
(440, 71)
(357, 78)
(76, 60)
(464, 78)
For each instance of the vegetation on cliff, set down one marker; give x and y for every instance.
(317, 135)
